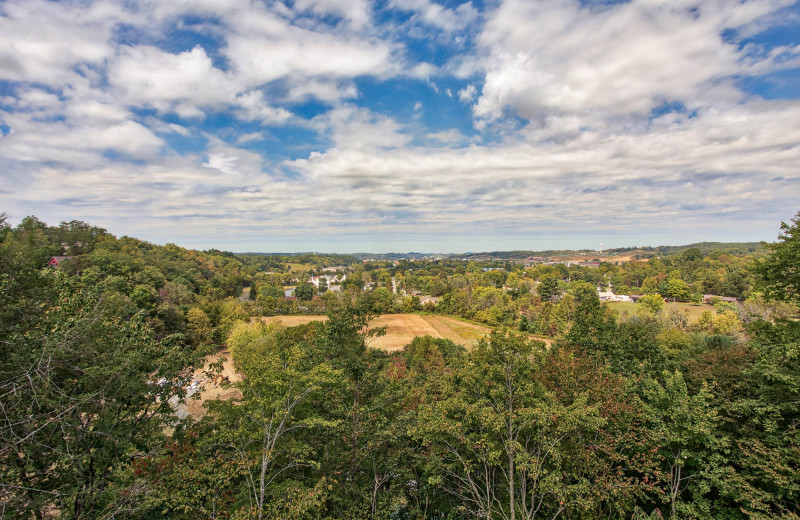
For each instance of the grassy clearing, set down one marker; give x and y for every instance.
(693, 310)
(402, 328)
(299, 268)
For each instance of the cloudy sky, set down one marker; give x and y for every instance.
(398, 125)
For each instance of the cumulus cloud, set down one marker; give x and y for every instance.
(467, 94)
(43, 41)
(145, 75)
(351, 127)
(566, 57)
(250, 138)
(265, 47)
(711, 162)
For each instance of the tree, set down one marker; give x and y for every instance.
(652, 303)
(780, 271)
(592, 328)
(548, 288)
(281, 380)
(677, 289)
(684, 430)
(304, 291)
(85, 392)
(511, 441)
(692, 254)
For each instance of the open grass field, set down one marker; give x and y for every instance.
(402, 328)
(298, 268)
(693, 310)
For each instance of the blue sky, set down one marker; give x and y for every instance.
(399, 125)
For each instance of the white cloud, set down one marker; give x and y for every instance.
(253, 107)
(145, 75)
(735, 168)
(433, 14)
(250, 138)
(321, 89)
(561, 57)
(350, 127)
(446, 136)
(734, 160)
(586, 80)
(42, 41)
(467, 94)
(264, 47)
(70, 142)
(356, 12)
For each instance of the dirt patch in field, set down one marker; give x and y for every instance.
(207, 388)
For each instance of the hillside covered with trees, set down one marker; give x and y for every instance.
(635, 414)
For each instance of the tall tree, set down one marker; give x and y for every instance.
(780, 270)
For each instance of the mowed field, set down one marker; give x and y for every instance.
(693, 310)
(402, 328)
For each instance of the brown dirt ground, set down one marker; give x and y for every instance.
(211, 391)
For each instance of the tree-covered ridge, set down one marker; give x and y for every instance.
(646, 415)
(738, 248)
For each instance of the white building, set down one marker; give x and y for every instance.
(608, 296)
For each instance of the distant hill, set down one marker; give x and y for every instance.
(736, 248)
(397, 256)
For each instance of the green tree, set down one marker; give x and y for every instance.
(548, 288)
(592, 328)
(508, 445)
(85, 392)
(684, 428)
(677, 290)
(780, 271)
(304, 291)
(652, 303)
(281, 380)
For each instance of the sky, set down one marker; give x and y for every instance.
(403, 125)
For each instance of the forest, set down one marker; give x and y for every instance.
(643, 413)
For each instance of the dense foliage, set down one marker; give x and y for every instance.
(647, 415)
